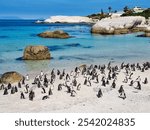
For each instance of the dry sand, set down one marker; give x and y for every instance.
(85, 99)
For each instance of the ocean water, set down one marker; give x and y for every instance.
(82, 48)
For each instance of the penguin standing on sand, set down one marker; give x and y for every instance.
(130, 76)
(9, 86)
(16, 89)
(131, 83)
(100, 94)
(2, 87)
(109, 77)
(5, 91)
(143, 69)
(22, 95)
(27, 77)
(74, 82)
(73, 92)
(27, 87)
(122, 92)
(50, 91)
(60, 76)
(85, 81)
(78, 86)
(59, 87)
(97, 80)
(138, 85)
(145, 81)
(58, 72)
(68, 89)
(113, 84)
(41, 74)
(19, 85)
(52, 72)
(36, 79)
(63, 73)
(45, 84)
(138, 79)
(23, 80)
(38, 84)
(107, 81)
(89, 81)
(125, 80)
(12, 90)
(122, 65)
(114, 75)
(45, 79)
(44, 91)
(121, 89)
(103, 82)
(52, 80)
(67, 77)
(83, 70)
(31, 95)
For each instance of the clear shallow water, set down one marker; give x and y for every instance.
(84, 47)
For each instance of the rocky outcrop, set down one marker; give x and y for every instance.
(147, 32)
(82, 66)
(68, 19)
(55, 34)
(36, 53)
(120, 25)
(115, 15)
(11, 77)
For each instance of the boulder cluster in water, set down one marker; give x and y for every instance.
(54, 34)
(104, 76)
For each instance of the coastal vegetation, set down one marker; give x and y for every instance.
(99, 16)
(130, 12)
(127, 12)
(102, 14)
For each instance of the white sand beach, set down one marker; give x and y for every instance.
(85, 100)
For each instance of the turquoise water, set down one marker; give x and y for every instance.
(84, 47)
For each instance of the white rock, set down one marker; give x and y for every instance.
(111, 24)
(38, 21)
(116, 15)
(148, 29)
(68, 19)
(148, 21)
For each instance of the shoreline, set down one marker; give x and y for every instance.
(48, 66)
(86, 99)
(95, 48)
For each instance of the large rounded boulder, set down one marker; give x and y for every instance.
(36, 53)
(120, 25)
(11, 77)
(54, 34)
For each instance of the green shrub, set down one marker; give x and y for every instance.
(145, 13)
